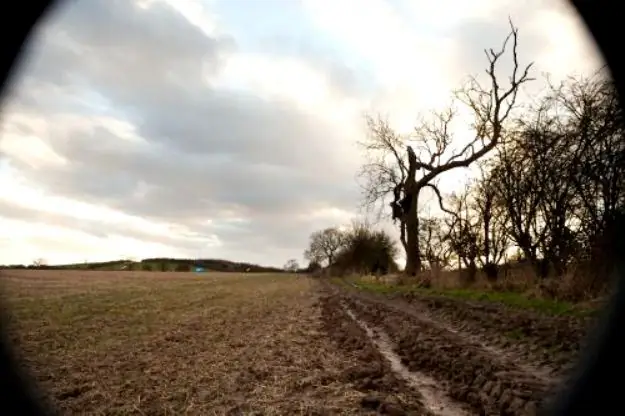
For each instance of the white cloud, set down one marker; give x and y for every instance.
(144, 131)
(567, 47)
(19, 194)
(197, 12)
(411, 70)
(283, 79)
(30, 149)
(26, 241)
(444, 14)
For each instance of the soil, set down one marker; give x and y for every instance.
(176, 343)
(104, 343)
(387, 392)
(482, 358)
(550, 341)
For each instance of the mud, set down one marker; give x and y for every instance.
(525, 356)
(434, 395)
(385, 391)
(552, 342)
(462, 352)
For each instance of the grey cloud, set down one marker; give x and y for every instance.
(188, 239)
(476, 34)
(342, 76)
(209, 154)
(183, 186)
(183, 112)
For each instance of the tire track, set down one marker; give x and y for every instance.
(386, 392)
(490, 381)
(435, 397)
(506, 358)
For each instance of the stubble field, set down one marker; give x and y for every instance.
(152, 343)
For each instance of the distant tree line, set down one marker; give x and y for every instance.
(154, 264)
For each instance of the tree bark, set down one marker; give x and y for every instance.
(413, 252)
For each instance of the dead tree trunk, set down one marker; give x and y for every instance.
(413, 252)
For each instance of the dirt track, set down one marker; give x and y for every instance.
(475, 358)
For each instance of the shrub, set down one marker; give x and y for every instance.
(366, 251)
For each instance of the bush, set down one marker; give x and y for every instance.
(366, 251)
(314, 268)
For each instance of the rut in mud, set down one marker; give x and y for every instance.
(471, 372)
(550, 342)
(524, 355)
(386, 391)
(434, 396)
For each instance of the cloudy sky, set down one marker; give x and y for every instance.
(227, 128)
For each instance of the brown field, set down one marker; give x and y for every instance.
(158, 343)
(176, 343)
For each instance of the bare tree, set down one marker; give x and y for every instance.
(492, 236)
(324, 245)
(291, 266)
(547, 153)
(462, 231)
(434, 240)
(560, 175)
(385, 170)
(39, 262)
(592, 121)
(476, 227)
(519, 192)
(429, 150)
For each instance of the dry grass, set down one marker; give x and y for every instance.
(515, 285)
(575, 286)
(177, 343)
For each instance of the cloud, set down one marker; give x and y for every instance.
(197, 128)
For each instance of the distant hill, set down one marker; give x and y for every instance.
(159, 264)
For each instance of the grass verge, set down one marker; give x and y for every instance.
(510, 299)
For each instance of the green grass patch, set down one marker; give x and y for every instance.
(518, 300)
(511, 299)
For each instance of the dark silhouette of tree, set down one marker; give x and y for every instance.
(291, 266)
(558, 178)
(463, 227)
(39, 263)
(313, 267)
(492, 237)
(429, 151)
(366, 250)
(593, 122)
(323, 246)
(434, 240)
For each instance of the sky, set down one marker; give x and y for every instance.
(229, 128)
